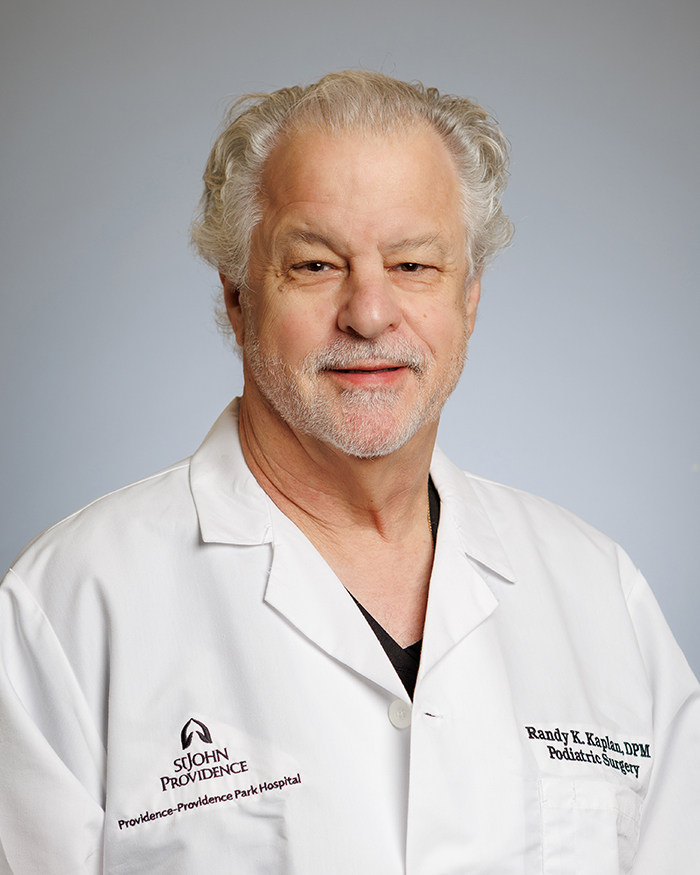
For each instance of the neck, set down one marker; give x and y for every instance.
(323, 490)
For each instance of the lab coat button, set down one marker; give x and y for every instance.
(400, 714)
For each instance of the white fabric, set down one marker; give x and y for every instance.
(190, 597)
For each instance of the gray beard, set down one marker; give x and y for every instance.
(364, 423)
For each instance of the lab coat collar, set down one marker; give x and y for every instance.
(232, 507)
(475, 531)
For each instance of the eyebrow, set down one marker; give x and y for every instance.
(428, 241)
(299, 236)
(433, 241)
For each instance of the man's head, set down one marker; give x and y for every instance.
(350, 236)
(353, 100)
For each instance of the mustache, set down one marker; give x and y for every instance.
(345, 354)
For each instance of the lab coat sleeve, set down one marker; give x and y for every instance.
(670, 827)
(51, 756)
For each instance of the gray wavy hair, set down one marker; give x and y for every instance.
(231, 204)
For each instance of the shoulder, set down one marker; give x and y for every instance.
(529, 509)
(112, 527)
(537, 534)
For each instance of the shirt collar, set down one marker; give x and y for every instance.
(232, 507)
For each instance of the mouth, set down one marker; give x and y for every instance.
(365, 360)
(371, 377)
(367, 370)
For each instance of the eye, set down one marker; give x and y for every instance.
(409, 267)
(312, 266)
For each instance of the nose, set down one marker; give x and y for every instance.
(370, 305)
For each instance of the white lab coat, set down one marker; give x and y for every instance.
(553, 716)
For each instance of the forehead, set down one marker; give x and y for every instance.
(403, 176)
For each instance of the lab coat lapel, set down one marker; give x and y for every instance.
(469, 568)
(304, 589)
(232, 508)
(459, 599)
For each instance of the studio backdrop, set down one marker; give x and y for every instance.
(582, 379)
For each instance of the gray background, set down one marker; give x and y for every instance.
(582, 382)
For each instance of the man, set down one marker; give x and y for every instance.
(316, 646)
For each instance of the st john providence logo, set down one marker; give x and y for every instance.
(205, 765)
(202, 765)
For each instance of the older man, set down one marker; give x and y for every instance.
(316, 646)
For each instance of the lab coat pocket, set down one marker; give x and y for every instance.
(221, 837)
(588, 827)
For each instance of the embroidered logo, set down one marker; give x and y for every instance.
(217, 773)
(202, 732)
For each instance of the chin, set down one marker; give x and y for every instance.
(365, 434)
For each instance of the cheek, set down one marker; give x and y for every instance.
(441, 328)
(292, 331)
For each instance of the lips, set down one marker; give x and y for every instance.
(366, 358)
(368, 370)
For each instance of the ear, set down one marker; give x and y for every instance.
(473, 296)
(232, 300)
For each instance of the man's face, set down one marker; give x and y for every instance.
(355, 325)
